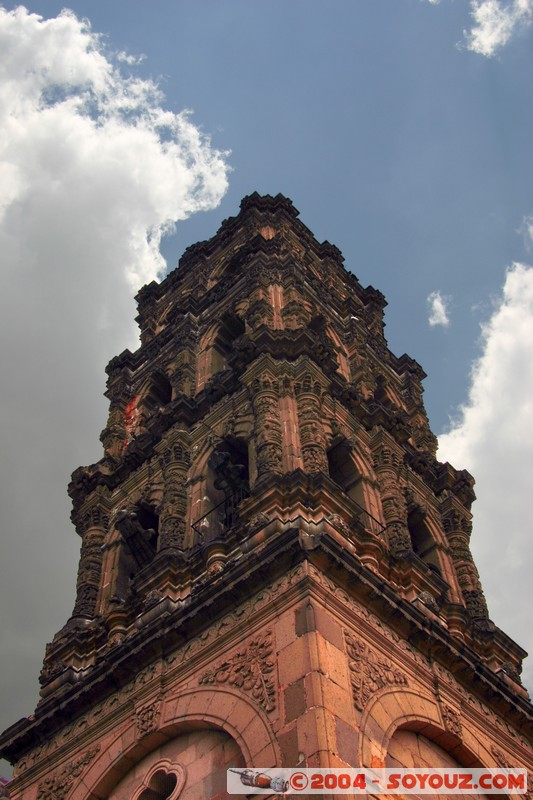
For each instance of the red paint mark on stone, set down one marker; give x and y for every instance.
(268, 232)
(131, 418)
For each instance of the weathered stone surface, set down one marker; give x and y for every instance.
(275, 570)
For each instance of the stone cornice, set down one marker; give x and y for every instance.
(175, 622)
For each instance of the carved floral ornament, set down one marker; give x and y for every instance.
(250, 670)
(57, 786)
(369, 672)
(452, 720)
(146, 719)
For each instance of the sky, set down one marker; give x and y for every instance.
(403, 132)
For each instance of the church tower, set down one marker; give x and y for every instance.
(275, 569)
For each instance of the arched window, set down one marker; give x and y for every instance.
(159, 394)
(165, 781)
(231, 328)
(227, 485)
(161, 787)
(343, 471)
(216, 346)
(139, 530)
(422, 542)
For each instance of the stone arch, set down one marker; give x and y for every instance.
(359, 461)
(204, 495)
(409, 709)
(429, 543)
(225, 710)
(215, 346)
(119, 563)
(386, 393)
(344, 470)
(436, 531)
(340, 352)
(154, 393)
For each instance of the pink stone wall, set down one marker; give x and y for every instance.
(203, 756)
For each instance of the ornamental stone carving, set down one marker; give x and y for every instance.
(458, 527)
(174, 461)
(452, 720)
(295, 315)
(387, 465)
(312, 434)
(89, 572)
(56, 787)
(429, 601)
(369, 671)
(250, 669)
(267, 426)
(146, 719)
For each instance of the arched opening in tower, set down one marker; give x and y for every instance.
(159, 393)
(343, 471)
(231, 328)
(422, 542)
(139, 530)
(227, 485)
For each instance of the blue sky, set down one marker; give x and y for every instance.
(403, 132)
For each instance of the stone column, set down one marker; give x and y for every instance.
(92, 524)
(267, 426)
(312, 435)
(386, 465)
(174, 461)
(458, 529)
(115, 434)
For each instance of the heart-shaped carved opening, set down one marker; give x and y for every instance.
(161, 787)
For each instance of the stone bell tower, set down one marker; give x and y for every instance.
(275, 570)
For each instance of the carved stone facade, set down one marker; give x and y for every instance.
(275, 569)
(250, 670)
(369, 672)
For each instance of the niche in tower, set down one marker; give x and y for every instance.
(139, 530)
(226, 486)
(422, 542)
(229, 468)
(343, 471)
(231, 327)
(159, 393)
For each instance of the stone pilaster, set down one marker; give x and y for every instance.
(312, 435)
(458, 528)
(174, 460)
(387, 465)
(92, 524)
(267, 425)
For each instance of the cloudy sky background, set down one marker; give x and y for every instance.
(401, 129)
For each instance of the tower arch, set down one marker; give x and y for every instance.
(212, 714)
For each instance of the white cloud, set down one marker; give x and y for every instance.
(93, 171)
(493, 439)
(130, 59)
(438, 312)
(526, 229)
(495, 23)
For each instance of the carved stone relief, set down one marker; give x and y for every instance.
(250, 670)
(146, 719)
(369, 671)
(57, 786)
(267, 426)
(174, 461)
(452, 720)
